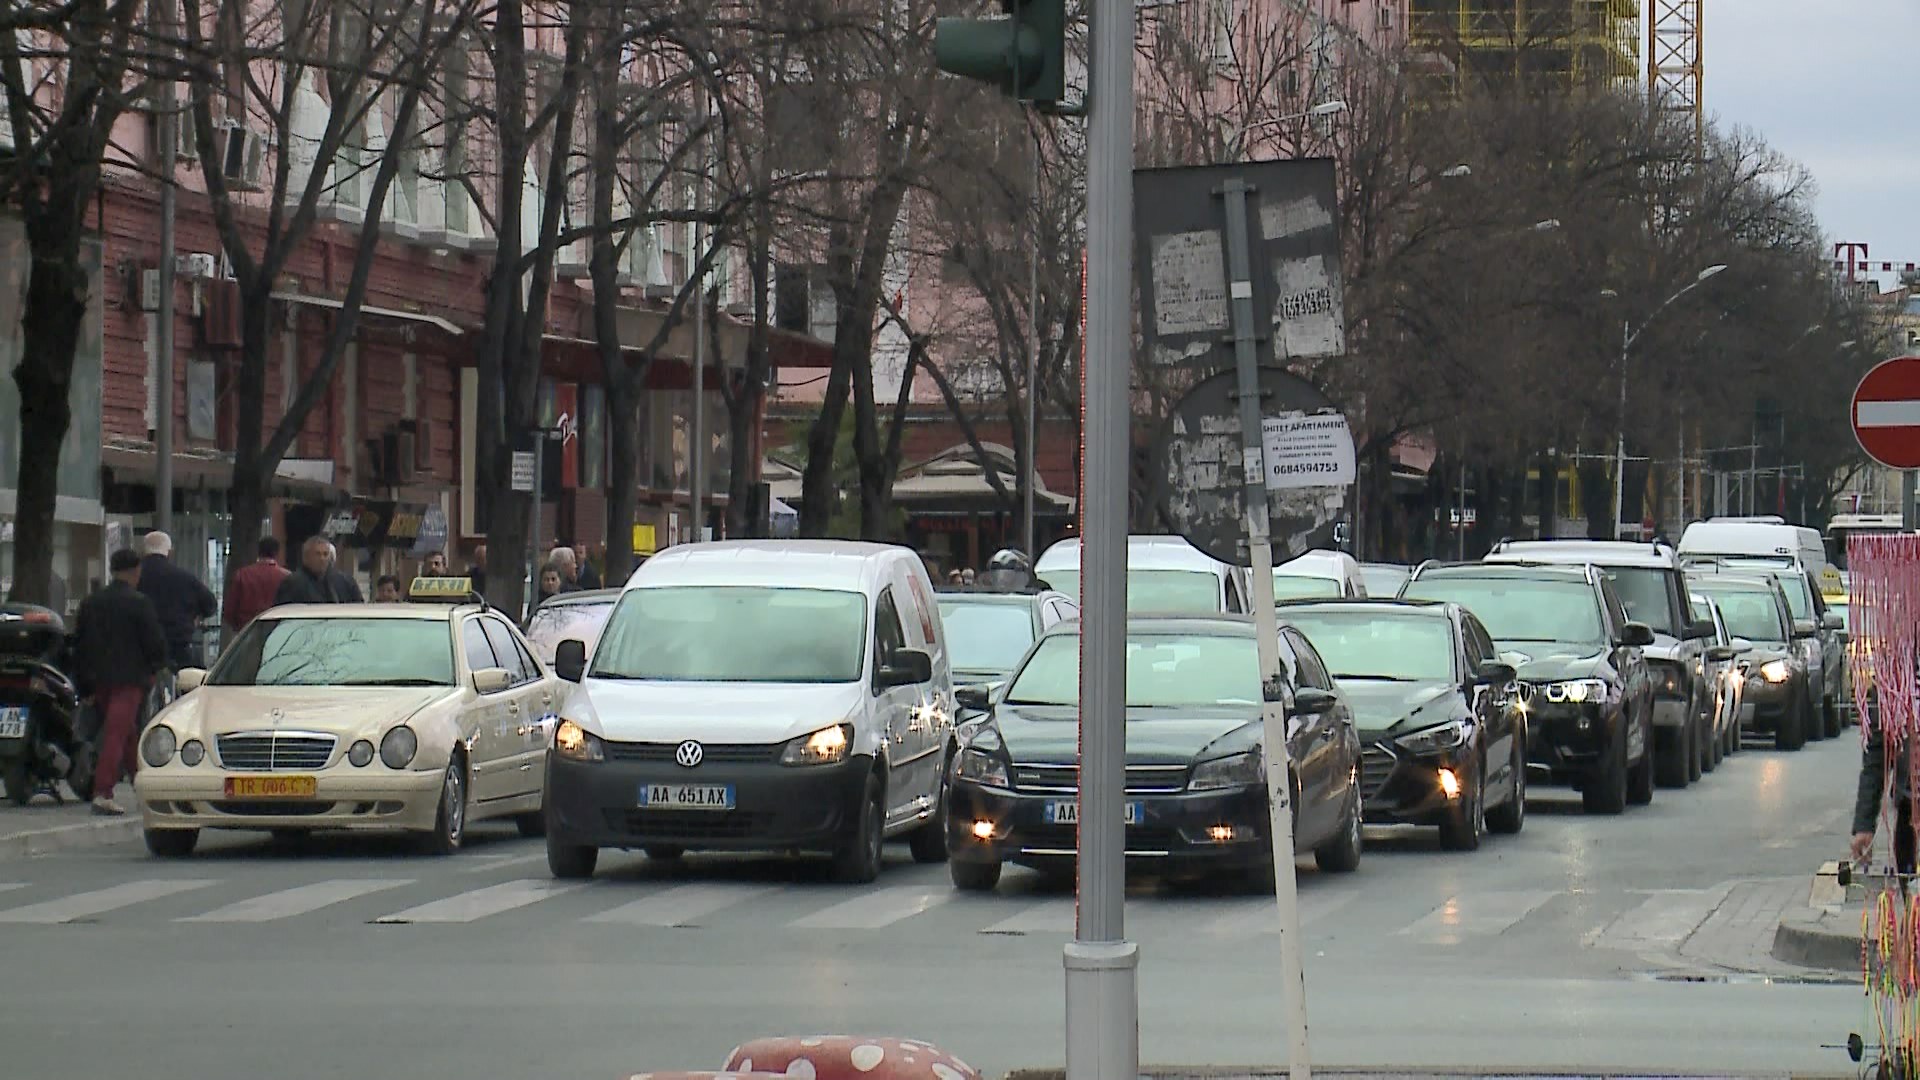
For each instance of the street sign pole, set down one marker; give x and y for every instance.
(1275, 699)
(533, 526)
(1102, 994)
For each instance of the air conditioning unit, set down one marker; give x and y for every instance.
(401, 458)
(198, 264)
(149, 288)
(243, 154)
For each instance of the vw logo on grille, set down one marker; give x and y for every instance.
(689, 754)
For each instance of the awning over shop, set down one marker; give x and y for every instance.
(956, 478)
(308, 300)
(196, 467)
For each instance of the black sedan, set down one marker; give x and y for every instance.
(1196, 796)
(1439, 714)
(1578, 656)
(988, 632)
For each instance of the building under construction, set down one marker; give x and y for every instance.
(1543, 44)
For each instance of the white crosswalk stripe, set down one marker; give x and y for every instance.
(100, 901)
(681, 905)
(1479, 915)
(876, 909)
(7, 886)
(1261, 915)
(299, 900)
(480, 903)
(1053, 916)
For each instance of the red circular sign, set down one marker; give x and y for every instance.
(1886, 413)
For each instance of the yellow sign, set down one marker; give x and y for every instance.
(1831, 583)
(643, 540)
(456, 589)
(272, 787)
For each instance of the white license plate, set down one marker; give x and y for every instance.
(687, 796)
(1067, 812)
(13, 723)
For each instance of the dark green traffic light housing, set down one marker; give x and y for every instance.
(1023, 53)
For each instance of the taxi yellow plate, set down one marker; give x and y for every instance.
(272, 787)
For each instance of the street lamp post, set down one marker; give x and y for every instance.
(1628, 335)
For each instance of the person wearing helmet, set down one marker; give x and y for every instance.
(1009, 569)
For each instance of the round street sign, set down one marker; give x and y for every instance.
(1886, 413)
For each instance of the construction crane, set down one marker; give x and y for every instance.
(1675, 70)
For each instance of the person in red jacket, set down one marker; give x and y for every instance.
(253, 587)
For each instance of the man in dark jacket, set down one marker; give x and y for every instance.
(119, 646)
(1873, 783)
(179, 599)
(317, 582)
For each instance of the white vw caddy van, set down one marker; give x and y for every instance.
(757, 695)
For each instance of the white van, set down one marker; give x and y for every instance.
(756, 695)
(1165, 576)
(1762, 537)
(1319, 575)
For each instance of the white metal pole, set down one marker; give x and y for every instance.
(1620, 451)
(697, 436)
(1033, 363)
(1102, 993)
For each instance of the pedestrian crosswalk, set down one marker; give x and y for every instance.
(919, 899)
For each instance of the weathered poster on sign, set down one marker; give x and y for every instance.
(1190, 276)
(1304, 451)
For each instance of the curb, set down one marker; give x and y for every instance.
(1807, 941)
(83, 834)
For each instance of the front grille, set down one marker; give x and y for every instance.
(690, 824)
(1376, 768)
(272, 808)
(264, 751)
(711, 753)
(1065, 779)
(1140, 839)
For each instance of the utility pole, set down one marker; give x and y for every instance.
(1620, 448)
(697, 434)
(1033, 362)
(166, 130)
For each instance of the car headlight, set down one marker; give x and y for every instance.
(1240, 770)
(824, 747)
(1433, 740)
(1576, 691)
(980, 767)
(193, 753)
(1776, 671)
(398, 748)
(575, 743)
(360, 753)
(156, 749)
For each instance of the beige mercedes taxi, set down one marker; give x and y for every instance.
(424, 716)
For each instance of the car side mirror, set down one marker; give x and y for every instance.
(906, 667)
(570, 659)
(1832, 621)
(1720, 654)
(1496, 673)
(1804, 628)
(1740, 646)
(1308, 701)
(1700, 629)
(1844, 637)
(491, 680)
(977, 698)
(1636, 635)
(187, 680)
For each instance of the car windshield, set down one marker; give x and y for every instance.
(1403, 646)
(1303, 586)
(338, 652)
(716, 633)
(554, 623)
(986, 636)
(1799, 593)
(1383, 580)
(1163, 671)
(1643, 592)
(1165, 591)
(1520, 610)
(1750, 613)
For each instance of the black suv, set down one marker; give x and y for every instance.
(1579, 659)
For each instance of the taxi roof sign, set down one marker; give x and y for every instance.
(442, 590)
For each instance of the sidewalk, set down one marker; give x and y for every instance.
(1279, 1072)
(42, 827)
(1826, 932)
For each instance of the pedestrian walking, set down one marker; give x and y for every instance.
(386, 590)
(1873, 787)
(119, 647)
(179, 599)
(567, 563)
(317, 582)
(436, 565)
(477, 569)
(254, 586)
(589, 577)
(551, 584)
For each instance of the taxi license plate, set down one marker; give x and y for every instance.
(686, 796)
(1067, 812)
(272, 787)
(13, 723)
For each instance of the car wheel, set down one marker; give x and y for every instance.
(1464, 830)
(1830, 713)
(1716, 742)
(570, 862)
(171, 843)
(450, 819)
(1697, 747)
(531, 824)
(1640, 773)
(1511, 816)
(19, 783)
(1342, 854)
(857, 860)
(974, 876)
(665, 852)
(1675, 762)
(1790, 731)
(1605, 791)
(929, 842)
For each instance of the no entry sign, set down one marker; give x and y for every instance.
(1886, 413)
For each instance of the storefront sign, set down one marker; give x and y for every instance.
(418, 528)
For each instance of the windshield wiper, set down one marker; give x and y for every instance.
(1372, 678)
(393, 682)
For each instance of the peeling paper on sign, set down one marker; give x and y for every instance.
(1307, 309)
(1189, 283)
(1293, 217)
(1166, 356)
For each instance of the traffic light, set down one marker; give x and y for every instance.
(1023, 53)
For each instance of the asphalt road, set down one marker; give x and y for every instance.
(1582, 943)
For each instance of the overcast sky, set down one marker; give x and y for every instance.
(1822, 81)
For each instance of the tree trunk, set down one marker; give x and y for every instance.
(247, 488)
(57, 291)
(603, 267)
(743, 408)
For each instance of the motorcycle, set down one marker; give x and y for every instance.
(41, 736)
